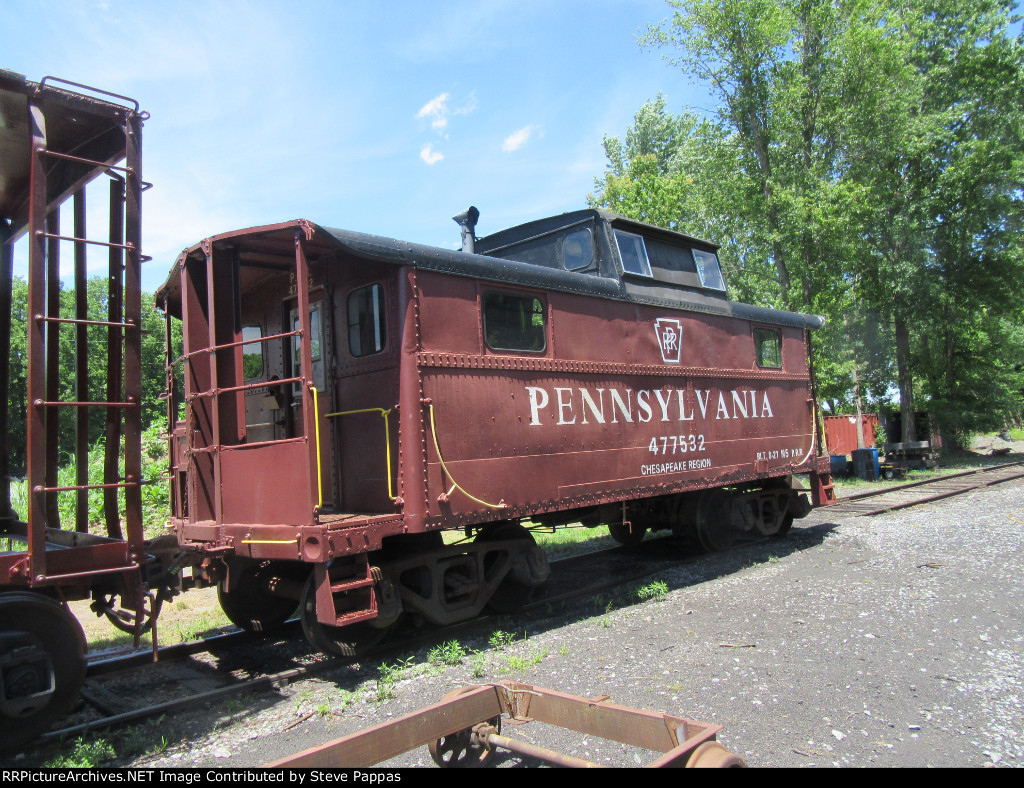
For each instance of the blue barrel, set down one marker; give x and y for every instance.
(865, 464)
(839, 465)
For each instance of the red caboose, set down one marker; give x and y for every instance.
(342, 399)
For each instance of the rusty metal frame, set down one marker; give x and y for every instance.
(35, 206)
(681, 741)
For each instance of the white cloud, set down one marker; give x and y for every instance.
(437, 110)
(517, 139)
(429, 155)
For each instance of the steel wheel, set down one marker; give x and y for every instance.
(250, 606)
(625, 535)
(351, 641)
(713, 528)
(458, 750)
(511, 594)
(42, 665)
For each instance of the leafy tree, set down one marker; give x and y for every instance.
(869, 151)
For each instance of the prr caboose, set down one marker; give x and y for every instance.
(343, 399)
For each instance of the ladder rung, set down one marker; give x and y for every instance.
(79, 322)
(48, 404)
(85, 487)
(42, 234)
(81, 160)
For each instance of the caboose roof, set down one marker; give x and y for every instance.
(273, 246)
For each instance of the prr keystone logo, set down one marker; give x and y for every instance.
(670, 338)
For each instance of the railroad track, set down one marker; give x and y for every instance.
(273, 663)
(902, 496)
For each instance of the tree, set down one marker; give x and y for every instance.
(153, 380)
(875, 163)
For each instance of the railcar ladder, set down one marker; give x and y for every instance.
(44, 321)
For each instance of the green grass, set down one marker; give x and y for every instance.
(654, 590)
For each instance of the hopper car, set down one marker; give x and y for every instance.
(56, 138)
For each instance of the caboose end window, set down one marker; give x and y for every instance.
(514, 322)
(767, 348)
(578, 250)
(367, 326)
(252, 353)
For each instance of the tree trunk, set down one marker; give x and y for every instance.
(906, 380)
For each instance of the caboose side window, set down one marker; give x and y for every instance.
(514, 322)
(367, 324)
(252, 353)
(767, 348)
(633, 253)
(709, 269)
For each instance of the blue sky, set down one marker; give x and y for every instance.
(386, 118)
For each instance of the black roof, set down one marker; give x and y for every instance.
(328, 240)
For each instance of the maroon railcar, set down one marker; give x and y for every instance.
(342, 399)
(56, 140)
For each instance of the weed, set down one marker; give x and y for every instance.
(606, 623)
(84, 755)
(564, 649)
(386, 681)
(654, 590)
(478, 665)
(519, 664)
(324, 710)
(499, 640)
(448, 653)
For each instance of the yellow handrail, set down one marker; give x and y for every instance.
(319, 469)
(387, 436)
(455, 484)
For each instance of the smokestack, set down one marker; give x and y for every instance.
(467, 221)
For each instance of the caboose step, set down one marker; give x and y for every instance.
(337, 588)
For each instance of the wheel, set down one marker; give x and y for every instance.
(250, 605)
(787, 519)
(787, 523)
(42, 665)
(458, 750)
(512, 594)
(351, 641)
(713, 528)
(712, 755)
(627, 535)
